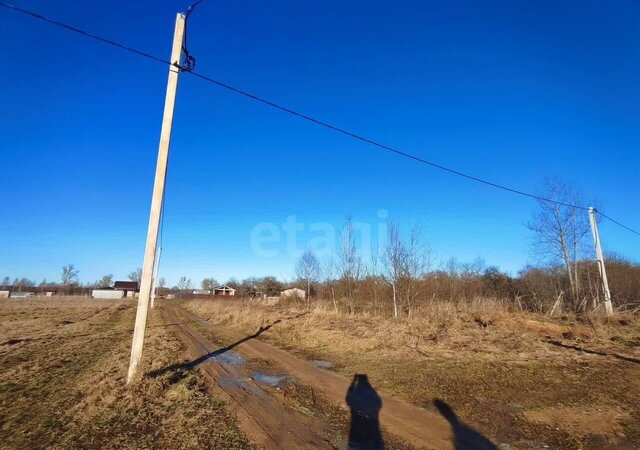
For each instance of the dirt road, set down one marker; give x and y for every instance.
(268, 419)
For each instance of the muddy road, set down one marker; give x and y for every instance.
(269, 389)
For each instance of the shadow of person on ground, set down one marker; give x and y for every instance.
(464, 437)
(365, 405)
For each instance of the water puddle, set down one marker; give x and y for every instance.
(322, 363)
(241, 383)
(231, 382)
(271, 380)
(228, 357)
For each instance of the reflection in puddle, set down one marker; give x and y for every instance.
(322, 363)
(272, 380)
(228, 357)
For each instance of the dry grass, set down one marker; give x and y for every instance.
(497, 367)
(62, 382)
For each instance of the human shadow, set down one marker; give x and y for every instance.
(365, 405)
(464, 437)
(594, 352)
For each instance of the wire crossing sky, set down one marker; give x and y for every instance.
(303, 116)
(309, 118)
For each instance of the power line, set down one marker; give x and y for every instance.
(84, 33)
(378, 144)
(618, 223)
(191, 8)
(372, 142)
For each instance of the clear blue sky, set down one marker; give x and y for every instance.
(513, 91)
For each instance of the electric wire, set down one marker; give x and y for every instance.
(188, 68)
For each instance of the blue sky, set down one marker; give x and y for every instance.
(512, 91)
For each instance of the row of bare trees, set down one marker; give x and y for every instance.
(402, 276)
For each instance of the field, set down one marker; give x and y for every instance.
(62, 382)
(521, 380)
(243, 374)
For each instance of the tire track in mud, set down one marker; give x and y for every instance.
(416, 426)
(264, 418)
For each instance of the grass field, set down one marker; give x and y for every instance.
(62, 382)
(522, 379)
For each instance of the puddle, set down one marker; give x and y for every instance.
(240, 383)
(231, 382)
(322, 363)
(228, 357)
(271, 380)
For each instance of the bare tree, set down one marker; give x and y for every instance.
(394, 260)
(350, 263)
(136, 275)
(161, 283)
(374, 272)
(209, 283)
(69, 274)
(417, 262)
(559, 230)
(330, 277)
(184, 283)
(106, 280)
(308, 271)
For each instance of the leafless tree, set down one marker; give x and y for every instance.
(404, 263)
(209, 283)
(136, 275)
(330, 277)
(559, 230)
(374, 273)
(394, 259)
(184, 283)
(417, 263)
(350, 263)
(106, 280)
(308, 271)
(69, 274)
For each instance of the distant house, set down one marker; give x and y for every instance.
(293, 293)
(130, 288)
(223, 289)
(21, 294)
(254, 293)
(107, 293)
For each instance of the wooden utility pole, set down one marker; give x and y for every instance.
(156, 200)
(600, 260)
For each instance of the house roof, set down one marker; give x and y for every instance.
(127, 285)
(223, 287)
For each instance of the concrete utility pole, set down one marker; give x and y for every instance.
(600, 260)
(156, 201)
